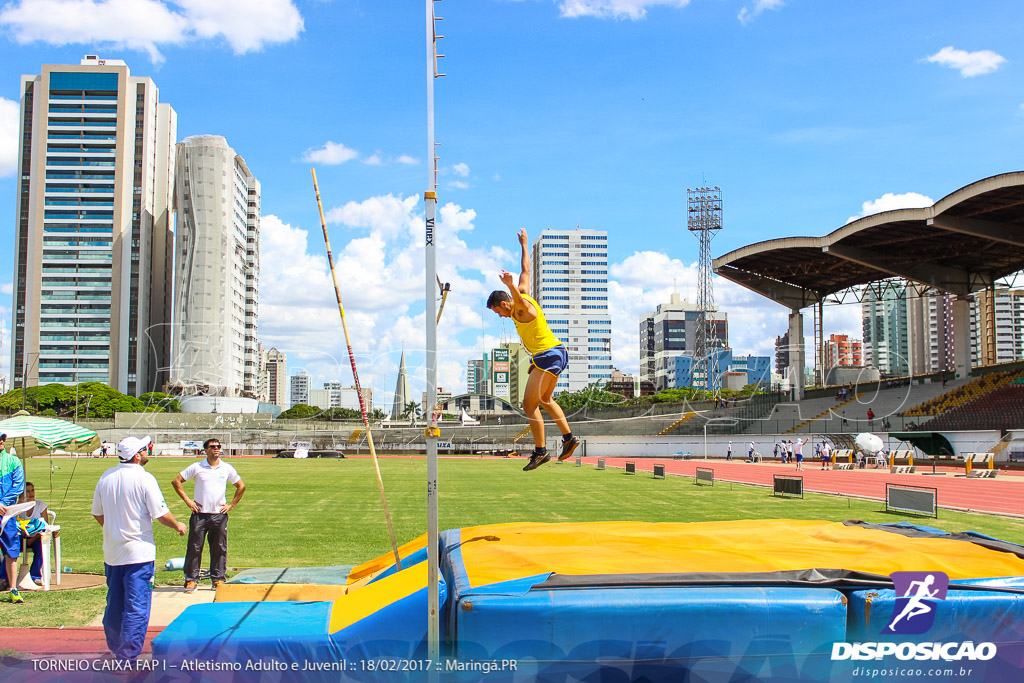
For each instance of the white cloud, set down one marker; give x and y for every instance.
(373, 161)
(458, 185)
(408, 160)
(388, 215)
(967, 63)
(461, 170)
(497, 178)
(246, 25)
(749, 13)
(332, 153)
(8, 137)
(891, 202)
(617, 9)
(381, 278)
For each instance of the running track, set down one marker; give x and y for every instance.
(1003, 495)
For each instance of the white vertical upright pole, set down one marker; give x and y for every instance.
(430, 198)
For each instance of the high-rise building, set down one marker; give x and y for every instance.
(94, 240)
(475, 376)
(782, 354)
(997, 327)
(940, 333)
(671, 331)
(216, 281)
(885, 331)
(841, 351)
(897, 329)
(300, 384)
(277, 377)
(570, 282)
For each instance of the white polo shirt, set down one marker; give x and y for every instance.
(211, 483)
(129, 499)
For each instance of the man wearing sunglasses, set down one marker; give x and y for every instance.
(209, 513)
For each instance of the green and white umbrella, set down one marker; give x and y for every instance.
(33, 436)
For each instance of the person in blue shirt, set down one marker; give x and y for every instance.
(12, 485)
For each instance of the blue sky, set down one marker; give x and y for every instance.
(553, 113)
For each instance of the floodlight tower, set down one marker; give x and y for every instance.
(704, 217)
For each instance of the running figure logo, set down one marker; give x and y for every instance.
(918, 595)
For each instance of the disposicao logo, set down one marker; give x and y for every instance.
(919, 593)
(917, 597)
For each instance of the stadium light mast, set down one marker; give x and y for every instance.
(432, 432)
(704, 217)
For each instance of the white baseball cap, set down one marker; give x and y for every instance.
(130, 445)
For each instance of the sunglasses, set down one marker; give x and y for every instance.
(214, 446)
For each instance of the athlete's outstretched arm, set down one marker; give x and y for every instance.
(524, 269)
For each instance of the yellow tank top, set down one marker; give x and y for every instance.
(536, 335)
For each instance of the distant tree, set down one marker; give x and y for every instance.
(158, 399)
(300, 412)
(593, 396)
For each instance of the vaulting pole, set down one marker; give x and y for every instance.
(432, 432)
(355, 375)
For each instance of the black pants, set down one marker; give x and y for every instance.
(202, 525)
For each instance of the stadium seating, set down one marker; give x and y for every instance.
(959, 396)
(1000, 408)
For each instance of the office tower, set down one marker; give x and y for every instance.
(216, 279)
(300, 385)
(670, 331)
(94, 241)
(277, 374)
(570, 282)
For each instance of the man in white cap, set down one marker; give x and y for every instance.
(126, 501)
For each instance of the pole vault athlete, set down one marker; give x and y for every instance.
(548, 358)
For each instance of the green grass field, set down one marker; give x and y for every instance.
(322, 512)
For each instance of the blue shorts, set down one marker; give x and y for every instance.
(554, 360)
(10, 540)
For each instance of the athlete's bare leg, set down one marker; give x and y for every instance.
(539, 389)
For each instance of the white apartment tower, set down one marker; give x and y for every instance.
(217, 199)
(301, 383)
(570, 282)
(94, 238)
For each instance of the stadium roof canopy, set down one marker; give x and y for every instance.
(961, 244)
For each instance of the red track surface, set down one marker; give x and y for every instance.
(53, 642)
(1004, 495)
